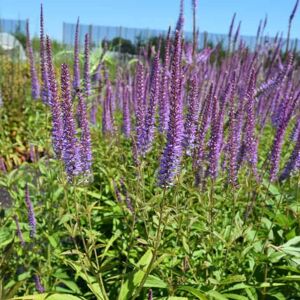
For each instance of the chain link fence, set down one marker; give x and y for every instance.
(100, 33)
(13, 26)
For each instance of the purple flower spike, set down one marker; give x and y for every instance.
(86, 74)
(107, 115)
(233, 139)
(76, 67)
(71, 149)
(294, 161)
(32, 153)
(294, 11)
(35, 86)
(38, 285)
(290, 103)
(2, 165)
(19, 232)
(180, 21)
(127, 198)
(30, 213)
(150, 294)
(93, 113)
(215, 139)
(164, 89)
(192, 115)
(194, 4)
(231, 27)
(218, 115)
(117, 192)
(56, 112)
(200, 135)
(237, 33)
(296, 129)
(148, 133)
(171, 157)
(85, 140)
(140, 106)
(44, 71)
(126, 128)
(250, 139)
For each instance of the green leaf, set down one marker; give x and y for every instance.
(93, 285)
(49, 297)
(65, 218)
(233, 279)
(24, 276)
(117, 234)
(271, 188)
(216, 295)
(290, 278)
(135, 278)
(32, 297)
(269, 284)
(52, 240)
(94, 194)
(5, 237)
(155, 282)
(235, 296)
(251, 293)
(236, 287)
(193, 291)
(63, 297)
(71, 285)
(278, 296)
(291, 242)
(90, 280)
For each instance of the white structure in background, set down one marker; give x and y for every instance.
(10, 45)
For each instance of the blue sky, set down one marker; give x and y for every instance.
(213, 15)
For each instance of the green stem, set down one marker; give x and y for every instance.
(155, 250)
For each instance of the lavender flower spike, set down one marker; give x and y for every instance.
(76, 68)
(192, 115)
(38, 285)
(56, 112)
(35, 86)
(250, 140)
(140, 106)
(126, 128)
(194, 4)
(107, 115)
(2, 165)
(164, 92)
(150, 294)
(86, 74)
(44, 72)
(71, 149)
(19, 232)
(86, 151)
(284, 119)
(148, 133)
(180, 21)
(199, 153)
(294, 161)
(30, 213)
(93, 112)
(170, 160)
(233, 143)
(231, 27)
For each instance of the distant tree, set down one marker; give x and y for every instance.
(21, 37)
(121, 45)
